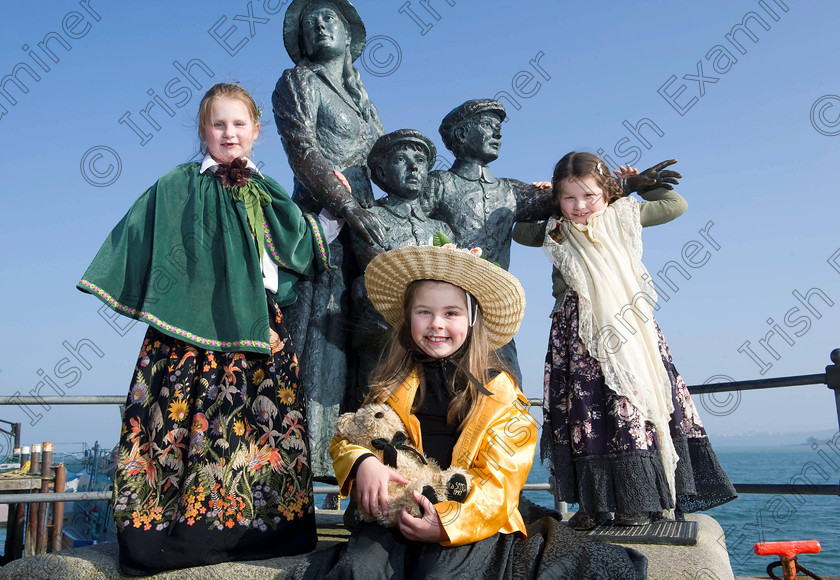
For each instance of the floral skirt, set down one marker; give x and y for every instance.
(602, 451)
(213, 460)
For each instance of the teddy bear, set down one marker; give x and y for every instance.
(378, 428)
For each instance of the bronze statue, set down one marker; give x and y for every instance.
(399, 163)
(327, 123)
(481, 209)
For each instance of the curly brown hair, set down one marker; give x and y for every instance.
(579, 165)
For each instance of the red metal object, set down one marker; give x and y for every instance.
(787, 552)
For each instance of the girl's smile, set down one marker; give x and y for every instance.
(580, 198)
(439, 318)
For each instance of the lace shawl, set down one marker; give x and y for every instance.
(601, 263)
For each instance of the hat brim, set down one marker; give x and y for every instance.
(498, 292)
(291, 27)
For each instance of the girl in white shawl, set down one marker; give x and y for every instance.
(620, 430)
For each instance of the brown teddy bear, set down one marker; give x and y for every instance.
(378, 428)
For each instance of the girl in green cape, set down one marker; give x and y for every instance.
(213, 459)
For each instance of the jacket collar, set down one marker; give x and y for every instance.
(470, 439)
(472, 171)
(321, 71)
(209, 163)
(403, 208)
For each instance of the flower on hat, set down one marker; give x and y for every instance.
(442, 241)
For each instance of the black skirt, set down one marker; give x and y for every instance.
(551, 551)
(213, 461)
(602, 452)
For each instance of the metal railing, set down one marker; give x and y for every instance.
(831, 378)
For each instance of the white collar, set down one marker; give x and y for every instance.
(209, 163)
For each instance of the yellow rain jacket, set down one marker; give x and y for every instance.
(496, 447)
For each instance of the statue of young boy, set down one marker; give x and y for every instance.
(399, 163)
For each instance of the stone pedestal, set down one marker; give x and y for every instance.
(707, 560)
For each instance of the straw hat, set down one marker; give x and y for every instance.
(498, 292)
(291, 27)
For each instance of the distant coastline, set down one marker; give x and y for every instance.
(774, 438)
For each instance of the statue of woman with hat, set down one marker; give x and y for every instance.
(327, 125)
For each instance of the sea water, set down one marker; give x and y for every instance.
(753, 518)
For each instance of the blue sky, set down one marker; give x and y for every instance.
(755, 124)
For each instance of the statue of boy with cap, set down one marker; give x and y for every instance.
(399, 163)
(481, 209)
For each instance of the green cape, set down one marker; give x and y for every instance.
(183, 260)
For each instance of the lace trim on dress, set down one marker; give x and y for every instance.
(561, 256)
(655, 405)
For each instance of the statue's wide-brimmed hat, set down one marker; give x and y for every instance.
(383, 147)
(291, 27)
(465, 111)
(499, 293)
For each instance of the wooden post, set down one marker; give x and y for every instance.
(16, 548)
(17, 512)
(58, 510)
(35, 458)
(32, 519)
(44, 507)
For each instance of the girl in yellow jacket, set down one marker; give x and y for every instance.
(450, 310)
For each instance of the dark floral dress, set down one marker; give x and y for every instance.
(214, 456)
(603, 452)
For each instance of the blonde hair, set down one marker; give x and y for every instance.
(402, 358)
(228, 91)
